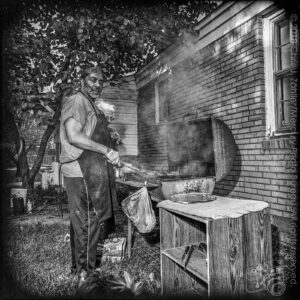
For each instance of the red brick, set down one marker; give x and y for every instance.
(264, 192)
(270, 199)
(276, 212)
(278, 206)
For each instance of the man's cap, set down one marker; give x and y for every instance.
(91, 70)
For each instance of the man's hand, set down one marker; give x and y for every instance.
(113, 157)
(115, 136)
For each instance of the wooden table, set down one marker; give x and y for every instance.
(238, 237)
(134, 186)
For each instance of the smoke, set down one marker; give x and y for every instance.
(189, 144)
(190, 148)
(107, 108)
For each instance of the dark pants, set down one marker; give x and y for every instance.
(85, 227)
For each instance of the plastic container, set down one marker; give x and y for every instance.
(18, 192)
(18, 205)
(29, 207)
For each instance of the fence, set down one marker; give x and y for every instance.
(47, 160)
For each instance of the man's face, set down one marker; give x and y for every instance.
(92, 85)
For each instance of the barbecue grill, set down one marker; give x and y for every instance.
(201, 152)
(235, 233)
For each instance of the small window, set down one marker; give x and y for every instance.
(162, 107)
(278, 73)
(282, 73)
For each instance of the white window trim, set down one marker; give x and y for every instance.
(156, 102)
(268, 27)
(157, 98)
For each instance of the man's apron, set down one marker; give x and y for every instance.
(99, 180)
(98, 174)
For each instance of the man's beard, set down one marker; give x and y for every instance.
(92, 92)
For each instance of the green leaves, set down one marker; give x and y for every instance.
(51, 41)
(70, 19)
(128, 283)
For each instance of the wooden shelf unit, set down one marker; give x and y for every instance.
(238, 237)
(196, 265)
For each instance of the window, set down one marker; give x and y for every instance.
(282, 73)
(278, 73)
(162, 107)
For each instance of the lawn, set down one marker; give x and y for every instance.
(37, 261)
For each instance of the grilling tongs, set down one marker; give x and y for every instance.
(188, 250)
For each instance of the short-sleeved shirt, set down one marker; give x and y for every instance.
(78, 107)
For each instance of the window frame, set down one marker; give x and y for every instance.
(273, 127)
(158, 101)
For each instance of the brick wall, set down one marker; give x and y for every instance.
(225, 79)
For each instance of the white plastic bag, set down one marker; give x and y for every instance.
(138, 208)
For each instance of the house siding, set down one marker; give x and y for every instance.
(124, 97)
(226, 80)
(152, 146)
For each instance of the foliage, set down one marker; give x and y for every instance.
(48, 43)
(38, 195)
(153, 284)
(128, 284)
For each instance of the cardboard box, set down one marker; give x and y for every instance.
(113, 249)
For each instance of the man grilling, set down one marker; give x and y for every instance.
(87, 158)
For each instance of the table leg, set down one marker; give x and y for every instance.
(129, 238)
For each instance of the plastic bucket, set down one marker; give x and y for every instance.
(19, 193)
(18, 204)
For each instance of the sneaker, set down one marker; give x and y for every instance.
(82, 276)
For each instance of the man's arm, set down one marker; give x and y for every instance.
(77, 138)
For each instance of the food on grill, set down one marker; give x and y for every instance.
(193, 197)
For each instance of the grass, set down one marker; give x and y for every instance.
(38, 259)
(37, 262)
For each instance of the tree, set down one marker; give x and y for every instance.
(48, 42)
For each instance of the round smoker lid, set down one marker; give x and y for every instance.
(224, 148)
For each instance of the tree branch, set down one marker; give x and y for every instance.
(29, 148)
